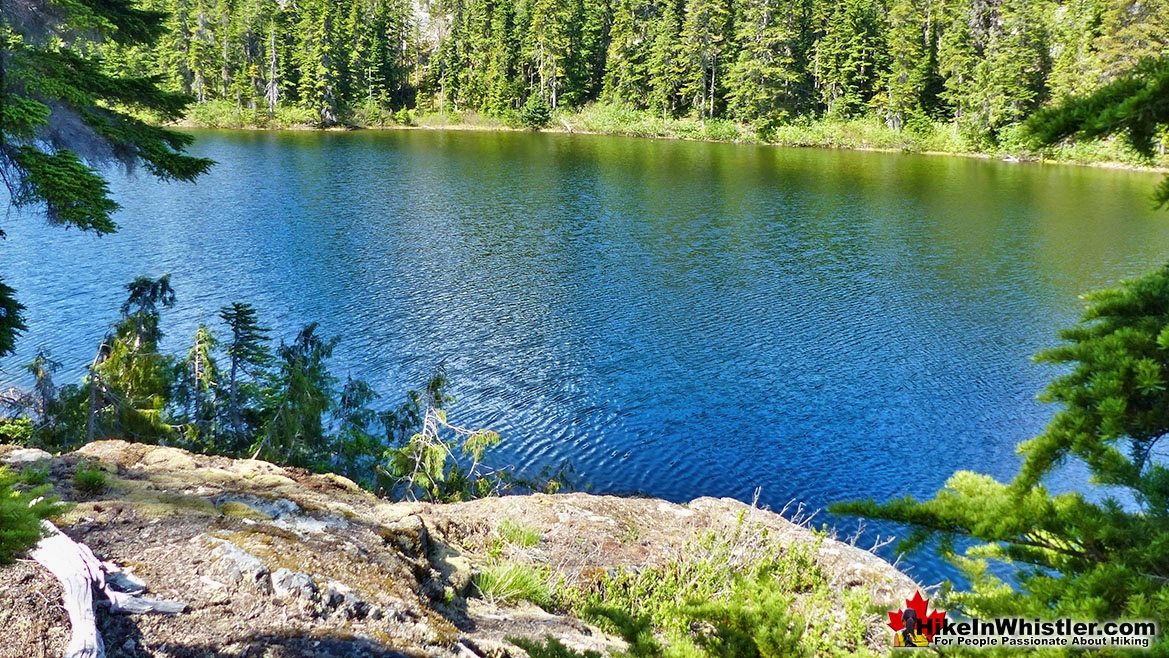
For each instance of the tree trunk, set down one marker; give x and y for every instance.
(91, 415)
(233, 397)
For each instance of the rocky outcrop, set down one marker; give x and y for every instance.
(279, 562)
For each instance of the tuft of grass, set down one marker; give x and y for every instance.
(512, 582)
(89, 480)
(517, 534)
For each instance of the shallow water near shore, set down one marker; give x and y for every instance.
(674, 318)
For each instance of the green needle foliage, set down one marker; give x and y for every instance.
(1076, 557)
(21, 512)
(63, 115)
(130, 382)
(301, 394)
(1106, 555)
(248, 356)
(88, 479)
(1135, 106)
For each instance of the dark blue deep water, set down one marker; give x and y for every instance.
(678, 319)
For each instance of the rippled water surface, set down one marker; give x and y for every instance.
(680, 319)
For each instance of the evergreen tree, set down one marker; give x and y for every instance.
(549, 43)
(503, 52)
(130, 383)
(849, 56)
(665, 59)
(195, 391)
(957, 57)
(300, 396)
(63, 116)
(704, 42)
(626, 75)
(357, 442)
(1080, 556)
(764, 81)
(44, 400)
(588, 51)
(1076, 67)
(909, 44)
(248, 356)
(142, 308)
(318, 61)
(1010, 77)
(1132, 32)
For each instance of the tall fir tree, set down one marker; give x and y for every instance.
(766, 81)
(626, 73)
(705, 41)
(196, 384)
(550, 39)
(666, 64)
(248, 357)
(300, 396)
(909, 42)
(849, 56)
(318, 60)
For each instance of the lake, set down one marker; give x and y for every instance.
(676, 319)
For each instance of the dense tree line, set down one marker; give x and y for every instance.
(983, 64)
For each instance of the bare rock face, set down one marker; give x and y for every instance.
(278, 562)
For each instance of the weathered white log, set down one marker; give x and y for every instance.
(80, 572)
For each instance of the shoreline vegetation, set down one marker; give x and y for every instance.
(857, 134)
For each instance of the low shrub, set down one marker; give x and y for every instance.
(535, 113)
(35, 475)
(21, 513)
(89, 480)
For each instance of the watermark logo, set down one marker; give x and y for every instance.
(916, 624)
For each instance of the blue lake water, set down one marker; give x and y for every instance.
(677, 319)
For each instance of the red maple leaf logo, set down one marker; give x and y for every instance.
(932, 620)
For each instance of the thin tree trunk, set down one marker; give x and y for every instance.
(91, 416)
(233, 398)
(272, 93)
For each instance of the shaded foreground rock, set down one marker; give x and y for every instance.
(279, 562)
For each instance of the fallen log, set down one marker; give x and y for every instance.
(80, 573)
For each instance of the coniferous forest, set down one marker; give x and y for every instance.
(980, 66)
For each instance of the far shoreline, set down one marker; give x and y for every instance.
(470, 122)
